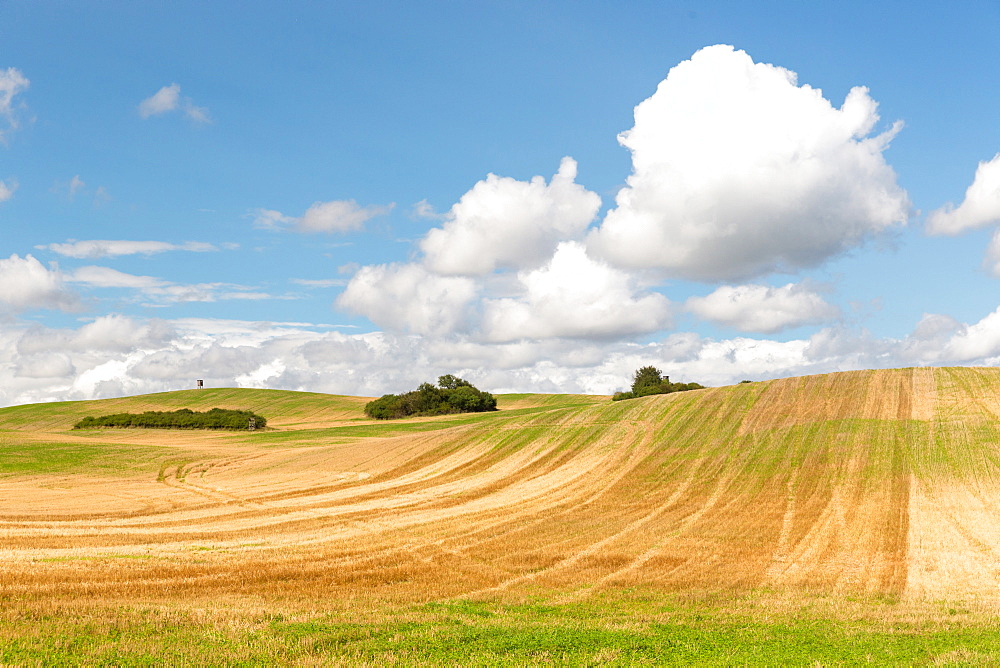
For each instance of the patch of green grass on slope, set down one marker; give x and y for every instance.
(103, 459)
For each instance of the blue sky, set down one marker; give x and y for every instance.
(298, 195)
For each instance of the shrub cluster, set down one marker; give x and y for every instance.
(185, 418)
(452, 395)
(650, 380)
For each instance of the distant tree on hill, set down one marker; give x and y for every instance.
(452, 395)
(649, 380)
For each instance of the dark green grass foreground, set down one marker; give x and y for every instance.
(645, 631)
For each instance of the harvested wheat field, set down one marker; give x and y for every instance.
(836, 517)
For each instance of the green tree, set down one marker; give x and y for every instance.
(647, 380)
(450, 382)
(453, 395)
(650, 380)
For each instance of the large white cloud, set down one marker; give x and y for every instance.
(505, 223)
(409, 298)
(26, 284)
(738, 172)
(980, 207)
(574, 296)
(763, 309)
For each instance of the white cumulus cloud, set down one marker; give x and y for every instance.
(505, 223)
(738, 172)
(409, 298)
(980, 207)
(762, 309)
(575, 296)
(25, 284)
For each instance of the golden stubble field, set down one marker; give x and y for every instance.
(872, 483)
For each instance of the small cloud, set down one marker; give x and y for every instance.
(196, 114)
(7, 190)
(12, 82)
(101, 196)
(112, 248)
(76, 184)
(172, 293)
(338, 216)
(269, 219)
(168, 99)
(164, 100)
(981, 206)
(320, 283)
(157, 292)
(425, 210)
(105, 277)
(329, 217)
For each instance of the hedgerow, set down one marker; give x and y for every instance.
(185, 418)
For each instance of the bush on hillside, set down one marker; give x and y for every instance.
(649, 380)
(185, 418)
(452, 395)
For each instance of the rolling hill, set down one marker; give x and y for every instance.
(873, 481)
(880, 484)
